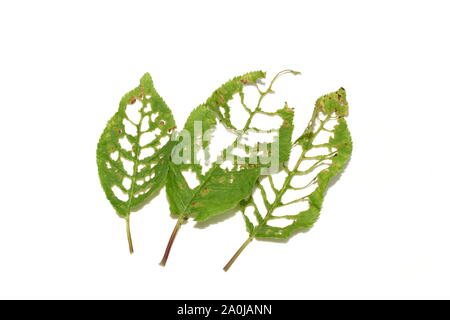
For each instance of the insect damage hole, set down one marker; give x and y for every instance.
(125, 144)
(147, 138)
(126, 183)
(295, 155)
(127, 165)
(250, 213)
(316, 164)
(239, 152)
(219, 139)
(222, 110)
(147, 109)
(132, 111)
(122, 196)
(200, 158)
(265, 183)
(163, 140)
(252, 138)
(273, 102)
(145, 124)
(280, 223)
(321, 151)
(130, 128)
(278, 179)
(251, 96)
(115, 155)
(227, 165)
(154, 116)
(191, 178)
(265, 122)
(259, 202)
(330, 124)
(146, 153)
(305, 184)
(238, 115)
(292, 209)
(295, 195)
(322, 137)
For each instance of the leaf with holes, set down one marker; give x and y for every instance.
(322, 152)
(134, 150)
(220, 188)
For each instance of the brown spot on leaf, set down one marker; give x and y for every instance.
(162, 122)
(196, 204)
(204, 191)
(321, 106)
(132, 100)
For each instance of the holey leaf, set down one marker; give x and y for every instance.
(278, 211)
(134, 150)
(224, 180)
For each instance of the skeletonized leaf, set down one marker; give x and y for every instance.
(322, 152)
(134, 149)
(220, 189)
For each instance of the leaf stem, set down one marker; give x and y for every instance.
(130, 241)
(236, 255)
(171, 240)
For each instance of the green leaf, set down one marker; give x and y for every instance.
(327, 160)
(134, 149)
(221, 189)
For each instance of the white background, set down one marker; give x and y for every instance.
(384, 229)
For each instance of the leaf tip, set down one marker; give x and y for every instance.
(146, 80)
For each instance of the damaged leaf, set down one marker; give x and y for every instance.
(134, 150)
(220, 189)
(318, 162)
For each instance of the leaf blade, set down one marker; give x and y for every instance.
(148, 173)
